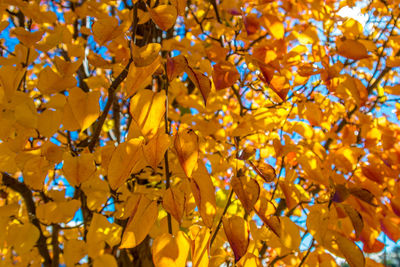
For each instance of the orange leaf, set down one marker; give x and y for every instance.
(251, 23)
(224, 75)
(395, 203)
(201, 81)
(237, 231)
(266, 171)
(352, 49)
(187, 147)
(180, 6)
(175, 66)
(390, 226)
(174, 203)
(247, 190)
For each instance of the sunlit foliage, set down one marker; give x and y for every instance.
(209, 133)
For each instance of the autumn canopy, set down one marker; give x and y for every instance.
(200, 133)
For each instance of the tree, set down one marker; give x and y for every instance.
(141, 133)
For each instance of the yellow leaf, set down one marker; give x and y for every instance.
(290, 234)
(139, 77)
(145, 55)
(74, 251)
(84, 106)
(49, 122)
(26, 37)
(140, 222)
(274, 26)
(187, 147)
(201, 81)
(147, 109)
(106, 29)
(35, 171)
(97, 192)
(78, 169)
(164, 16)
(351, 251)
(247, 190)
(100, 231)
(155, 149)
(169, 251)
(237, 231)
(57, 212)
(200, 242)
(51, 82)
(10, 78)
(22, 237)
(105, 260)
(25, 110)
(204, 194)
(352, 49)
(126, 159)
(309, 36)
(7, 159)
(66, 68)
(249, 260)
(265, 210)
(174, 203)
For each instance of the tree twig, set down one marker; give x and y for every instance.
(111, 90)
(222, 216)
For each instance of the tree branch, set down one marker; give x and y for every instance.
(111, 90)
(222, 216)
(26, 194)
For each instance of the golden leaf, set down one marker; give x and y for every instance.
(351, 252)
(247, 190)
(126, 159)
(237, 231)
(164, 16)
(187, 147)
(171, 250)
(140, 222)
